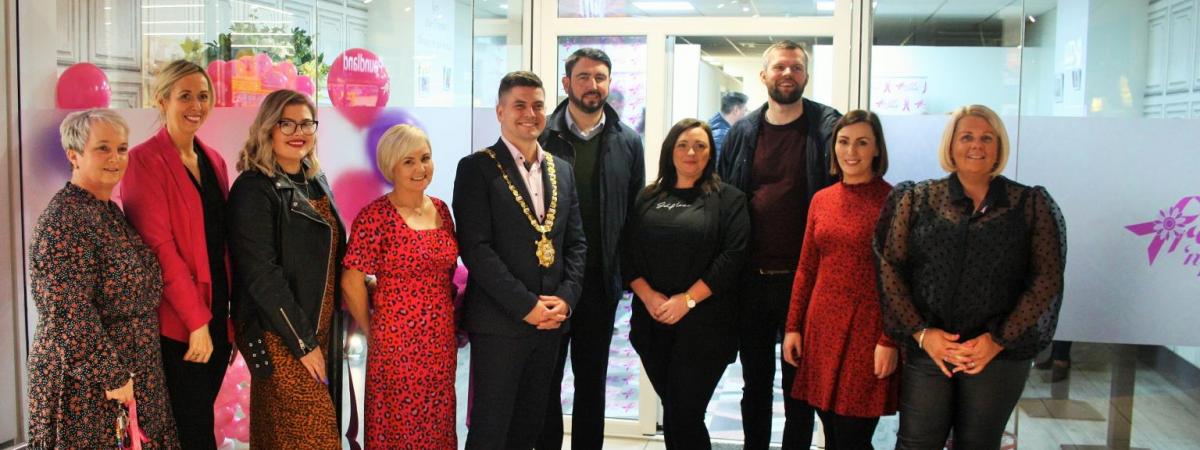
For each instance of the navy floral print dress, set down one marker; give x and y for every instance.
(97, 288)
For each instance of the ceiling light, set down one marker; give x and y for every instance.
(664, 6)
(826, 6)
(745, 9)
(504, 6)
(1032, 19)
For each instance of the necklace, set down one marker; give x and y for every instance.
(544, 248)
(418, 210)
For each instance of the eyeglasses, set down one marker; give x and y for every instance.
(288, 128)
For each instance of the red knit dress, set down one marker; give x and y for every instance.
(836, 307)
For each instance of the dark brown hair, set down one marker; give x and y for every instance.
(667, 176)
(522, 78)
(879, 164)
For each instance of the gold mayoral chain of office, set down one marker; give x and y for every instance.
(544, 247)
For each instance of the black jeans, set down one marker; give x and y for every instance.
(684, 370)
(589, 338)
(974, 407)
(764, 315)
(847, 433)
(511, 376)
(193, 389)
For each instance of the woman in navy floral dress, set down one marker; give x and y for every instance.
(97, 287)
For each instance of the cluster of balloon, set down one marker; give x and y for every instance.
(82, 86)
(246, 80)
(358, 86)
(231, 412)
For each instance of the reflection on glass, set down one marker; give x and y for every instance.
(694, 8)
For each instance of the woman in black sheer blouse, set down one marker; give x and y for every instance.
(971, 280)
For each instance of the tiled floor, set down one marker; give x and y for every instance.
(1164, 416)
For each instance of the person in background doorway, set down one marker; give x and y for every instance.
(733, 108)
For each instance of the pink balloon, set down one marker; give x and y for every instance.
(304, 85)
(241, 430)
(221, 74)
(287, 69)
(274, 81)
(358, 85)
(263, 63)
(83, 86)
(354, 189)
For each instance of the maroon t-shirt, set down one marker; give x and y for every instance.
(779, 203)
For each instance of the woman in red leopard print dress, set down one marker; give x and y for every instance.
(406, 239)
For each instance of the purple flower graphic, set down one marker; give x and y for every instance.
(1169, 222)
(1169, 227)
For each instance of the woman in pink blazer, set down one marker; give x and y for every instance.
(174, 194)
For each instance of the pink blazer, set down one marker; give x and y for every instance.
(162, 204)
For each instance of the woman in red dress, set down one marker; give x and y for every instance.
(835, 332)
(406, 240)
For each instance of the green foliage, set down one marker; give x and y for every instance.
(308, 63)
(194, 51)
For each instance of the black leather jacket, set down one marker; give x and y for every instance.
(622, 176)
(279, 246)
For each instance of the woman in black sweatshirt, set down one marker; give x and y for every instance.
(682, 250)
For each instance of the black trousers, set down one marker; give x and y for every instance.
(847, 433)
(512, 377)
(764, 314)
(193, 389)
(684, 370)
(1060, 351)
(588, 338)
(975, 407)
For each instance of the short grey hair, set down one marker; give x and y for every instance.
(77, 126)
(397, 143)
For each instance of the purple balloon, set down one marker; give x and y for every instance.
(389, 118)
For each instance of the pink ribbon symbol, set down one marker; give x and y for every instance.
(135, 431)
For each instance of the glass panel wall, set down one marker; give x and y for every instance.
(694, 8)
(1096, 96)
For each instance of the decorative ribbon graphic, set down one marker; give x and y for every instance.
(1171, 226)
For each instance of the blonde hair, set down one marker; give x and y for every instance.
(397, 143)
(76, 128)
(987, 115)
(258, 153)
(174, 71)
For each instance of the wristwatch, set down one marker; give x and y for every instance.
(691, 302)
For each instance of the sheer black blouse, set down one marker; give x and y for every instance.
(998, 270)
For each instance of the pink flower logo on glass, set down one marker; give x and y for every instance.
(1172, 226)
(1170, 223)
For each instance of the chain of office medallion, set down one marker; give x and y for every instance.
(550, 213)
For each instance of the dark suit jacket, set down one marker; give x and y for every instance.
(496, 242)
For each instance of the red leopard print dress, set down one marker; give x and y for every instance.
(412, 353)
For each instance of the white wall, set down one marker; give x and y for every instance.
(955, 76)
(685, 78)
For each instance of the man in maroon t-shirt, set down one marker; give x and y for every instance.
(779, 156)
